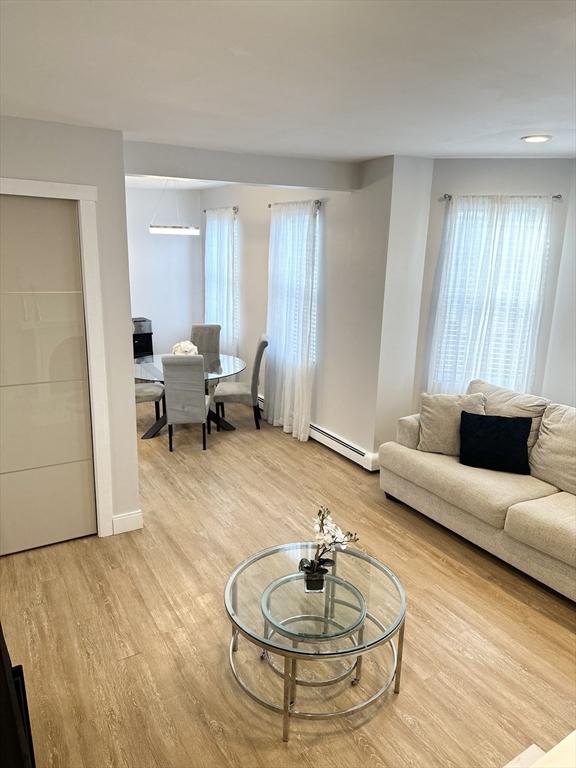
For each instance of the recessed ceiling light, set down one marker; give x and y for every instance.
(538, 138)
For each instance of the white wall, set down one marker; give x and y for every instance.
(186, 162)
(405, 262)
(560, 373)
(350, 311)
(31, 149)
(166, 272)
(504, 177)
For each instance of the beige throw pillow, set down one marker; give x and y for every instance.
(553, 458)
(506, 402)
(440, 421)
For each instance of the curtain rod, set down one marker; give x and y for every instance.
(317, 203)
(554, 197)
(234, 208)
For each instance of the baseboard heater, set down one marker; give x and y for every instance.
(337, 443)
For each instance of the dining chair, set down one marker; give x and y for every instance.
(186, 401)
(243, 392)
(206, 337)
(150, 392)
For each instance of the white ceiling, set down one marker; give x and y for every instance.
(341, 79)
(171, 182)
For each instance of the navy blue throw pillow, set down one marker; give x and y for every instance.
(495, 442)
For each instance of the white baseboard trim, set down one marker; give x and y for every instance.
(372, 464)
(367, 460)
(342, 446)
(127, 521)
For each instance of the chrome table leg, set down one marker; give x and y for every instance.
(358, 674)
(234, 608)
(399, 661)
(334, 568)
(293, 672)
(287, 687)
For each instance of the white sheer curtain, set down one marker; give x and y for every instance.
(221, 286)
(489, 303)
(293, 266)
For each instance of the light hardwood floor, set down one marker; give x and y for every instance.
(124, 640)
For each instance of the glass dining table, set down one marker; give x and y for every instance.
(216, 366)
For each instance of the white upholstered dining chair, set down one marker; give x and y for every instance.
(243, 392)
(206, 338)
(150, 392)
(186, 401)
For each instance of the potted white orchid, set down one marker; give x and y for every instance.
(328, 536)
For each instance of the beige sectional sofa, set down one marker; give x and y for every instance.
(527, 521)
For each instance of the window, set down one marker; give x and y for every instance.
(489, 302)
(294, 257)
(221, 280)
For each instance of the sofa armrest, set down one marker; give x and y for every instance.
(408, 431)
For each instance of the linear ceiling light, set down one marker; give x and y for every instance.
(538, 138)
(173, 229)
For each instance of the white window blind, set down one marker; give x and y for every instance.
(295, 241)
(489, 303)
(221, 278)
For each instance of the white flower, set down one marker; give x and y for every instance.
(338, 533)
(184, 348)
(328, 535)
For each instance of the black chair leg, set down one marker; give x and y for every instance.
(203, 437)
(257, 416)
(170, 435)
(218, 417)
(157, 409)
(222, 409)
(209, 425)
(163, 405)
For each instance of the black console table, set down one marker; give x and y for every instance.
(142, 337)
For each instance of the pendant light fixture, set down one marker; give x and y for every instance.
(171, 229)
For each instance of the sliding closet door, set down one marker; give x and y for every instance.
(46, 463)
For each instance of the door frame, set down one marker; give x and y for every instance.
(86, 197)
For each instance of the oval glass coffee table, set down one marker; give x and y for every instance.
(361, 608)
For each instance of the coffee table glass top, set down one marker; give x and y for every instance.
(216, 366)
(363, 602)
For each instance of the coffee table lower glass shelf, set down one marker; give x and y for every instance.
(361, 610)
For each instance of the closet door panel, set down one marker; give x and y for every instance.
(39, 243)
(45, 505)
(42, 338)
(44, 424)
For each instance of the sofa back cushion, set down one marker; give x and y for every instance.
(440, 421)
(506, 402)
(553, 458)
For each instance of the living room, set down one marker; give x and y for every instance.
(149, 587)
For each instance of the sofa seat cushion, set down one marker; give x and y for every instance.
(484, 493)
(547, 524)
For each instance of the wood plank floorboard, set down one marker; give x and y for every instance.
(124, 640)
